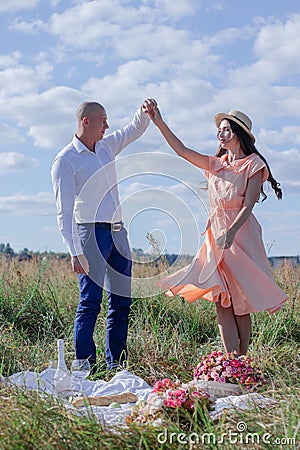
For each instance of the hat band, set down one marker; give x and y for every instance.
(237, 118)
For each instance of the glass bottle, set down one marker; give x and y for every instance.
(62, 377)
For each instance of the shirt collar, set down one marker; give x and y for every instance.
(79, 146)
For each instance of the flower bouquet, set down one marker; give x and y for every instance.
(169, 398)
(227, 374)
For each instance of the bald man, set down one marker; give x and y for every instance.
(90, 220)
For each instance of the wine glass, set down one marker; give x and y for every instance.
(80, 369)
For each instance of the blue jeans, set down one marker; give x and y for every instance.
(109, 259)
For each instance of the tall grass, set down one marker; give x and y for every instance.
(38, 300)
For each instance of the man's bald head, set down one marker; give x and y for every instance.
(86, 109)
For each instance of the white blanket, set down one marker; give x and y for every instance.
(122, 381)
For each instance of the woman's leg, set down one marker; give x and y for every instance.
(244, 330)
(228, 328)
(235, 330)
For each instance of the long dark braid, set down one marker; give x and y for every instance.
(248, 148)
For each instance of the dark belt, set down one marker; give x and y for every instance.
(109, 226)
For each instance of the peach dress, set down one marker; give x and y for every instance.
(241, 275)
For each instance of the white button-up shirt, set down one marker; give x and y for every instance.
(85, 183)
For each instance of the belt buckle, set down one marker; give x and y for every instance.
(117, 226)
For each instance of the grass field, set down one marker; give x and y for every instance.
(167, 337)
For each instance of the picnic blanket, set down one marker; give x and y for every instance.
(123, 381)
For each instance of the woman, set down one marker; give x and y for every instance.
(231, 268)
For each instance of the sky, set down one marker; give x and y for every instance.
(196, 58)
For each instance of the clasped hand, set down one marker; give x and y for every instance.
(150, 107)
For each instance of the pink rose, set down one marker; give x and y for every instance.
(170, 403)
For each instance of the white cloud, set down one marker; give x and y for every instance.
(17, 5)
(49, 116)
(214, 6)
(20, 80)
(280, 41)
(187, 58)
(40, 204)
(277, 47)
(188, 101)
(228, 36)
(15, 162)
(284, 166)
(133, 32)
(10, 60)
(125, 89)
(54, 3)
(288, 133)
(98, 22)
(32, 27)
(175, 9)
(42, 135)
(10, 135)
(287, 101)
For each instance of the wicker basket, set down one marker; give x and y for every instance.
(219, 389)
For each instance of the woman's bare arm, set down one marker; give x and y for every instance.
(251, 196)
(197, 159)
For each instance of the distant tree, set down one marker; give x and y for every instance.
(25, 254)
(171, 258)
(8, 251)
(138, 251)
(2, 248)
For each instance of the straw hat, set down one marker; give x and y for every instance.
(238, 117)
